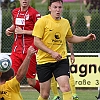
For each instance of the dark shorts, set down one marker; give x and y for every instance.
(45, 71)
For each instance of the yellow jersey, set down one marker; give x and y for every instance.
(53, 34)
(10, 90)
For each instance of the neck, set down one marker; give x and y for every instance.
(24, 8)
(56, 18)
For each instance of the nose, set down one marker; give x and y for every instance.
(58, 9)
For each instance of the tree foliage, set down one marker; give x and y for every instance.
(66, 14)
(32, 3)
(93, 5)
(6, 41)
(80, 29)
(95, 28)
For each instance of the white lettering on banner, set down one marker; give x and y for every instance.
(86, 71)
(20, 21)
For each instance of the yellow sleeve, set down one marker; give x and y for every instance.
(69, 34)
(39, 28)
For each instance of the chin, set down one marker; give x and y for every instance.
(24, 6)
(57, 18)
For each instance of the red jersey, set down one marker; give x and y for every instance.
(25, 20)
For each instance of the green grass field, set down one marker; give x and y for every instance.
(87, 94)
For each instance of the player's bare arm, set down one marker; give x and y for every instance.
(72, 58)
(70, 46)
(18, 30)
(24, 67)
(78, 39)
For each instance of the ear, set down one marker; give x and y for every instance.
(49, 8)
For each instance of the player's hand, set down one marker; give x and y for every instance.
(56, 56)
(31, 51)
(72, 59)
(8, 32)
(18, 30)
(91, 37)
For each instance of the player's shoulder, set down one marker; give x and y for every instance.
(43, 18)
(64, 20)
(32, 10)
(16, 10)
(46, 17)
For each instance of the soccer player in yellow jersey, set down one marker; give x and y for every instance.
(50, 35)
(10, 85)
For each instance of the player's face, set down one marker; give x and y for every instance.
(24, 3)
(56, 9)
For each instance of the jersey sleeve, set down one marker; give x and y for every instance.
(39, 27)
(69, 32)
(36, 16)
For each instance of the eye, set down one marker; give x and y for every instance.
(60, 7)
(55, 7)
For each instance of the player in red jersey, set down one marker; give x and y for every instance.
(24, 19)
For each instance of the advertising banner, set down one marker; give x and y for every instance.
(86, 71)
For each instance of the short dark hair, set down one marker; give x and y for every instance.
(51, 1)
(7, 75)
(2, 98)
